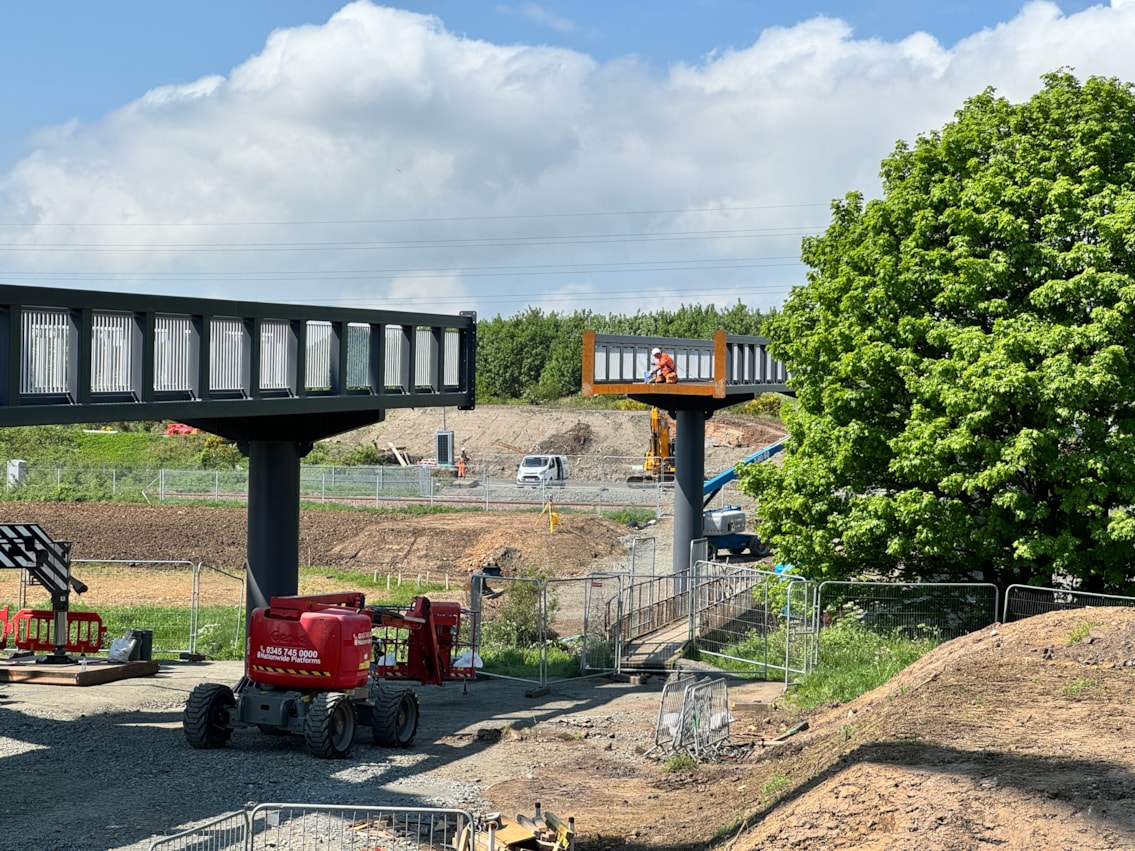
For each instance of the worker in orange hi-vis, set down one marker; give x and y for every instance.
(553, 516)
(462, 463)
(664, 371)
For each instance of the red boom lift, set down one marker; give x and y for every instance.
(317, 666)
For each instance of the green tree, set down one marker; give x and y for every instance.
(960, 355)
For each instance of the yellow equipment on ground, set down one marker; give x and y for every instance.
(658, 466)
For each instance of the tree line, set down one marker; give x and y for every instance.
(538, 356)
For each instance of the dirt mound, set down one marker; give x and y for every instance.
(454, 544)
(496, 436)
(1016, 736)
(575, 441)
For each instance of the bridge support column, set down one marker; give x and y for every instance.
(273, 519)
(689, 479)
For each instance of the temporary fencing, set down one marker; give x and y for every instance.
(1023, 601)
(754, 621)
(914, 609)
(305, 827)
(489, 483)
(693, 716)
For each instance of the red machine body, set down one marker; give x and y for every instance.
(420, 643)
(316, 642)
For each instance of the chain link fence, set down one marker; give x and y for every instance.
(595, 483)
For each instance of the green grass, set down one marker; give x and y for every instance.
(679, 762)
(626, 516)
(1080, 631)
(1083, 687)
(853, 660)
(524, 663)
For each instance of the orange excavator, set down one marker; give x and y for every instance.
(658, 465)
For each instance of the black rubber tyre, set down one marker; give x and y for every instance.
(394, 719)
(207, 716)
(759, 548)
(329, 728)
(711, 553)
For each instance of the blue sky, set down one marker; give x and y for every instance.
(564, 155)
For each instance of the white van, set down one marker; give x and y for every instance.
(542, 469)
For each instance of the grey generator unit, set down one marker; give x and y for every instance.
(443, 442)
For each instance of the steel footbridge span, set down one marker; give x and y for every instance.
(712, 374)
(273, 377)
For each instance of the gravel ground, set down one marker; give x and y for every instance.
(107, 767)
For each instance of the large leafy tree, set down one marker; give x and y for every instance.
(961, 352)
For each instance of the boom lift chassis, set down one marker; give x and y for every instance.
(296, 683)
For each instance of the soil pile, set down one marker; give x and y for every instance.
(454, 544)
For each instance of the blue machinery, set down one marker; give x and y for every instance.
(712, 486)
(273, 377)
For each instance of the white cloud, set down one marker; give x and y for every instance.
(397, 148)
(545, 17)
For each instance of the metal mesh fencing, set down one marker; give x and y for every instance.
(1024, 601)
(580, 635)
(228, 832)
(705, 715)
(754, 621)
(914, 609)
(693, 716)
(327, 827)
(513, 627)
(670, 705)
(299, 827)
(490, 483)
(109, 594)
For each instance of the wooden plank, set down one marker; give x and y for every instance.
(98, 671)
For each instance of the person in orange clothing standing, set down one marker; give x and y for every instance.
(664, 371)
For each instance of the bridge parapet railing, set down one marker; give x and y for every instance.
(87, 356)
(726, 362)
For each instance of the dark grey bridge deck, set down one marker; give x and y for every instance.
(273, 377)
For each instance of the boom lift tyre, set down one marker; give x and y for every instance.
(208, 715)
(394, 719)
(329, 727)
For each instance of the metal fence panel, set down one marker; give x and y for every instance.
(275, 345)
(946, 609)
(1023, 601)
(705, 718)
(299, 827)
(578, 612)
(226, 354)
(228, 832)
(46, 335)
(754, 621)
(307, 827)
(173, 345)
(669, 723)
(317, 369)
(513, 627)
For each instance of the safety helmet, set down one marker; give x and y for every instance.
(655, 352)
